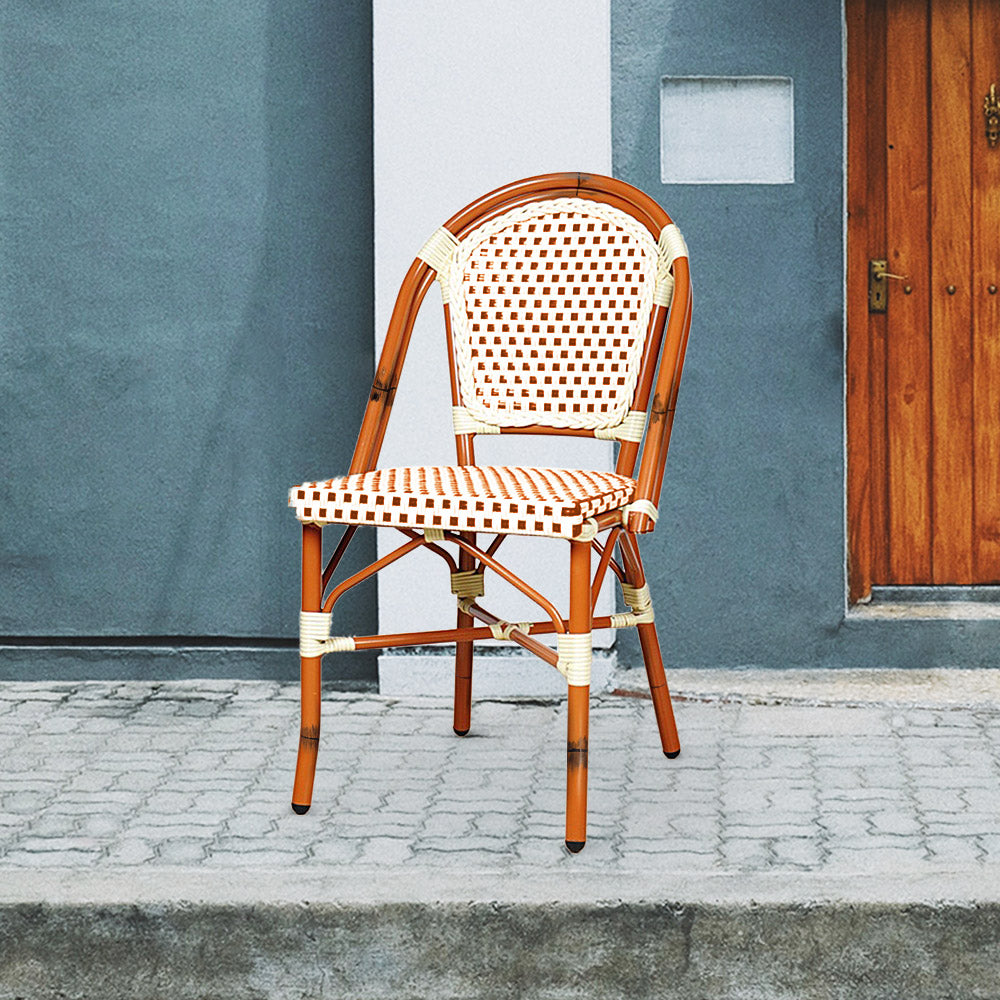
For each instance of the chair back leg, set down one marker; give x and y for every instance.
(463, 657)
(310, 672)
(664, 710)
(652, 657)
(463, 680)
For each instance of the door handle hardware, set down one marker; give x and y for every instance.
(878, 290)
(991, 108)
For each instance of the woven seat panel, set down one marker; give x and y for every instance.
(508, 499)
(550, 306)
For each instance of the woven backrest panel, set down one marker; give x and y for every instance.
(550, 304)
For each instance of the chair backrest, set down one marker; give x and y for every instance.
(556, 291)
(550, 305)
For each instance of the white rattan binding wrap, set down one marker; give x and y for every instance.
(641, 603)
(502, 630)
(641, 506)
(672, 245)
(439, 252)
(315, 638)
(576, 650)
(637, 598)
(464, 423)
(468, 583)
(630, 429)
(550, 305)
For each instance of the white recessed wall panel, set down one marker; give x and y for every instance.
(470, 96)
(727, 130)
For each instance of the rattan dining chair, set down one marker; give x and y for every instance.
(567, 304)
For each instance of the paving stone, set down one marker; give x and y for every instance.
(99, 825)
(469, 842)
(249, 824)
(53, 825)
(845, 824)
(955, 850)
(970, 824)
(25, 801)
(162, 832)
(52, 859)
(69, 844)
(894, 821)
(496, 824)
(131, 852)
(746, 852)
(447, 824)
(684, 825)
(178, 850)
(770, 830)
(801, 852)
(384, 851)
(871, 859)
(336, 851)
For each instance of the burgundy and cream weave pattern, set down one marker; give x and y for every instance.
(508, 499)
(550, 305)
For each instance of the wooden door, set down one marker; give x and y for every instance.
(923, 378)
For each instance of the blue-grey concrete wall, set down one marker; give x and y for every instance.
(748, 562)
(185, 325)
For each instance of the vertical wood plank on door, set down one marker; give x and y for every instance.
(908, 337)
(985, 307)
(878, 322)
(861, 473)
(867, 467)
(950, 249)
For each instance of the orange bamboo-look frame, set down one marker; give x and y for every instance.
(655, 392)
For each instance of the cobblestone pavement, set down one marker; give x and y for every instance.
(199, 773)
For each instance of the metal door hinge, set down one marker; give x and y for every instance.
(991, 108)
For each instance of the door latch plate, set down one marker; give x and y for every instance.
(878, 290)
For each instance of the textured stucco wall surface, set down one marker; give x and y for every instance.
(185, 320)
(747, 566)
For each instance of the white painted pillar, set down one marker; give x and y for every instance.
(470, 96)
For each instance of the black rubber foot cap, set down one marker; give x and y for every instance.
(460, 732)
(671, 754)
(575, 846)
(301, 810)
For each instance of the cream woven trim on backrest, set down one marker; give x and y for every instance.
(464, 423)
(630, 429)
(439, 252)
(550, 308)
(670, 246)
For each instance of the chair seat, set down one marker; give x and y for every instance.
(507, 499)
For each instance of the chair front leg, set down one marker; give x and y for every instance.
(310, 672)
(577, 647)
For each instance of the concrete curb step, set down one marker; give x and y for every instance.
(942, 689)
(338, 933)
